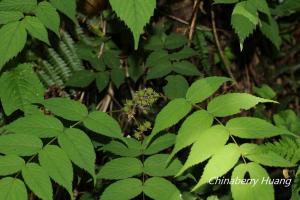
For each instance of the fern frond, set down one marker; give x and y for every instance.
(59, 64)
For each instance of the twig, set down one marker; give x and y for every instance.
(223, 58)
(194, 20)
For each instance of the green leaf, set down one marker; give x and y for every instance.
(42, 126)
(19, 88)
(160, 70)
(118, 76)
(10, 16)
(21, 145)
(81, 79)
(208, 143)
(262, 155)
(175, 40)
(225, 1)
(36, 28)
(123, 190)
(204, 88)
(244, 19)
(46, 11)
(160, 188)
(250, 191)
(250, 128)
(271, 30)
(67, 7)
(135, 13)
(79, 149)
(261, 6)
(18, 5)
(12, 189)
(10, 164)
(233, 103)
(265, 91)
(38, 181)
(176, 87)
(15, 38)
(102, 81)
(160, 143)
(66, 108)
(156, 165)
(121, 168)
(185, 68)
(220, 163)
(184, 53)
(288, 119)
(133, 148)
(172, 113)
(191, 129)
(157, 57)
(103, 124)
(57, 165)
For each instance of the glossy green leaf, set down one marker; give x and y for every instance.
(10, 16)
(36, 28)
(79, 149)
(208, 143)
(193, 127)
(250, 128)
(103, 124)
(233, 103)
(135, 13)
(67, 7)
(250, 191)
(204, 88)
(66, 108)
(123, 190)
(57, 165)
(220, 163)
(121, 168)
(12, 189)
(42, 126)
(10, 164)
(21, 145)
(162, 189)
(46, 11)
(38, 181)
(161, 143)
(176, 87)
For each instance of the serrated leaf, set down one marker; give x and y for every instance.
(162, 189)
(157, 57)
(121, 168)
(172, 113)
(66, 108)
(10, 16)
(18, 5)
(208, 143)
(12, 189)
(10, 164)
(133, 148)
(79, 149)
(57, 165)
(36, 28)
(156, 165)
(123, 190)
(67, 7)
(103, 124)
(176, 87)
(270, 29)
(118, 76)
(250, 128)
(38, 181)
(15, 38)
(21, 145)
(19, 88)
(184, 53)
(42, 126)
(175, 40)
(102, 81)
(233, 103)
(46, 11)
(204, 88)
(185, 68)
(160, 143)
(263, 155)
(218, 165)
(191, 129)
(81, 79)
(244, 19)
(160, 70)
(135, 13)
(250, 191)
(261, 6)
